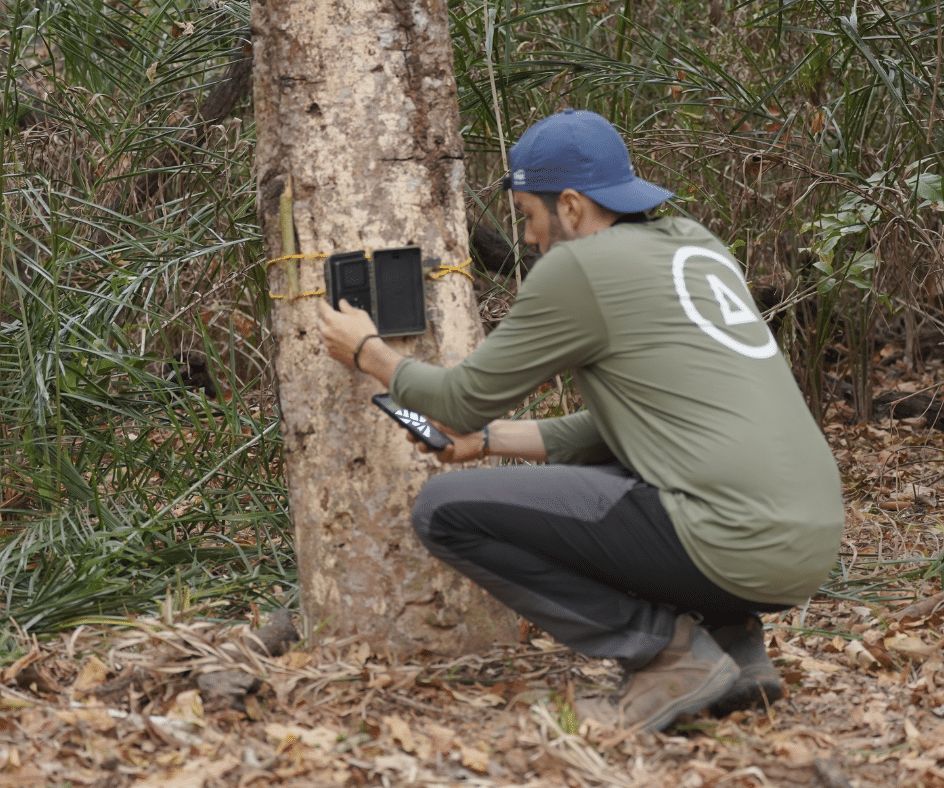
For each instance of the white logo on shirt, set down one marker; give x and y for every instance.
(734, 311)
(734, 308)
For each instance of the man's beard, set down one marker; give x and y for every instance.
(556, 232)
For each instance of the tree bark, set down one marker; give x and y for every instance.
(355, 103)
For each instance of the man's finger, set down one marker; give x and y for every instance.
(420, 446)
(446, 454)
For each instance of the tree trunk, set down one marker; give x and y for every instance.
(355, 103)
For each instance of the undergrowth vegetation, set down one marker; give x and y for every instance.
(140, 452)
(806, 134)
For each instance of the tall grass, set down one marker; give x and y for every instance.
(806, 134)
(129, 238)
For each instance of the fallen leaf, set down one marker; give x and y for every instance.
(917, 764)
(195, 773)
(797, 753)
(380, 680)
(817, 121)
(188, 707)
(594, 671)
(894, 506)
(530, 697)
(320, 737)
(691, 779)
(400, 732)
(475, 759)
(93, 673)
(859, 656)
(398, 762)
(182, 29)
(442, 737)
(295, 660)
(812, 664)
(708, 771)
(95, 717)
(912, 734)
(359, 653)
(485, 700)
(909, 646)
(8, 674)
(26, 777)
(517, 760)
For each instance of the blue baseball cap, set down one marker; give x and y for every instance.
(582, 151)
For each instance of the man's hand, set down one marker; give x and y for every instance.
(519, 439)
(343, 329)
(463, 448)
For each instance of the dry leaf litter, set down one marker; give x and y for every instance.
(192, 704)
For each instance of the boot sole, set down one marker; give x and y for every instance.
(719, 682)
(748, 692)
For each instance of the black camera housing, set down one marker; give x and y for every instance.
(349, 276)
(387, 284)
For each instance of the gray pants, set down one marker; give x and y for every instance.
(586, 553)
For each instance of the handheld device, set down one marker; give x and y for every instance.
(415, 423)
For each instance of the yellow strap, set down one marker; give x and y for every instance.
(295, 257)
(442, 270)
(310, 293)
(436, 273)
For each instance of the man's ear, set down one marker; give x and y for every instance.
(570, 209)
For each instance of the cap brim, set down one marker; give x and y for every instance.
(635, 196)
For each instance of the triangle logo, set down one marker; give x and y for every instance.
(734, 311)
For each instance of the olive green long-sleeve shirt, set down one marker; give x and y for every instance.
(682, 382)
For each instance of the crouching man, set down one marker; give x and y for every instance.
(693, 492)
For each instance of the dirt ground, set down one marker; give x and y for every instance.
(112, 705)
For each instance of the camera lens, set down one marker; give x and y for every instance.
(355, 274)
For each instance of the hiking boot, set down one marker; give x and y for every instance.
(691, 673)
(758, 685)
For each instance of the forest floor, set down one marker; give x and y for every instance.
(115, 706)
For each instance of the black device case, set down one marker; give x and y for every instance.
(401, 297)
(349, 275)
(414, 422)
(388, 285)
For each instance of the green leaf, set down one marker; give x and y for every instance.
(928, 187)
